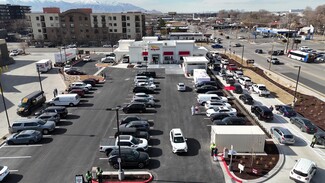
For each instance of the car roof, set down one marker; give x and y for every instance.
(26, 120)
(284, 130)
(28, 132)
(138, 122)
(302, 165)
(247, 95)
(177, 132)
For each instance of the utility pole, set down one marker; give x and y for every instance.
(288, 35)
(242, 55)
(271, 57)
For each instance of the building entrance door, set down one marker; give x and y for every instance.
(155, 58)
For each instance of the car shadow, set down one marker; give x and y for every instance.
(156, 82)
(154, 152)
(154, 142)
(83, 101)
(188, 89)
(85, 105)
(154, 164)
(151, 111)
(13, 178)
(287, 151)
(64, 123)
(160, 77)
(155, 132)
(72, 116)
(156, 100)
(299, 142)
(90, 92)
(151, 123)
(157, 89)
(45, 140)
(59, 131)
(193, 147)
(88, 96)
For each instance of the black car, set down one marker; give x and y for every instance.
(139, 125)
(218, 116)
(230, 80)
(134, 108)
(304, 124)
(287, 111)
(75, 72)
(218, 92)
(247, 99)
(273, 53)
(206, 88)
(259, 51)
(231, 120)
(134, 132)
(151, 74)
(128, 119)
(142, 89)
(202, 83)
(61, 110)
(262, 112)
(129, 158)
(280, 52)
(238, 88)
(89, 81)
(320, 138)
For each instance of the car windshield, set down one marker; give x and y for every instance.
(178, 139)
(262, 88)
(300, 173)
(41, 122)
(289, 109)
(288, 136)
(307, 123)
(135, 141)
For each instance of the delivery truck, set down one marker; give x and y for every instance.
(44, 65)
(65, 55)
(200, 75)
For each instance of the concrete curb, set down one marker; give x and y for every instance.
(136, 173)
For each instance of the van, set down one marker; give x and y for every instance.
(65, 99)
(303, 170)
(31, 102)
(203, 98)
(44, 65)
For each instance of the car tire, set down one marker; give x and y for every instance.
(45, 131)
(140, 165)
(301, 129)
(115, 166)
(71, 104)
(10, 142)
(31, 142)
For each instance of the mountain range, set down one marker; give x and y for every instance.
(96, 6)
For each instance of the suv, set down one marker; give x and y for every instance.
(129, 157)
(146, 101)
(303, 171)
(247, 99)
(304, 124)
(218, 116)
(61, 110)
(134, 132)
(128, 119)
(143, 89)
(139, 125)
(32, 124)
(177, 141)
(231, 120)
(134, 107)
(262, 112)
(283, 135)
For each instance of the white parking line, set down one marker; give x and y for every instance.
(103, 158)
(16, 157)
(13, 170)
(139, 114)
(31, 145)
(206, 118)
(111, 137)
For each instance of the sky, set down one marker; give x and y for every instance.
(190, 6)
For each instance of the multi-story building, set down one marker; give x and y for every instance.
(10, 15)
(81, 26)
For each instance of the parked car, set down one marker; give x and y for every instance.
(285, 110)
(134, 107)
(216, 46)
(181, 87)
(320, 138)
(218, 92)
(206, 88)
(280, 52)
(247, 99)
(210, 104)
(303, 170)
(231, 111)
(90, 81)
(282, 135)
(304, 124)
(75, 72)
(218, 116)
(4, 172)
(139, 125)
(61, 110)
(32, 124)
(273, 53)
(203, 83)
(231, 120)
(108, 60)
(147, 85)
(128, 119)
(80, 92)
(80, 85)
(145, 101)
(273, 60)
(151, 74)
(25, 137)
(134, 132)
(238, 89)
(129, 158)
(178, 141)
(143, 95)
(142, 89)
(87, 59)
(50, 116)
(259, 51)
(262, 112)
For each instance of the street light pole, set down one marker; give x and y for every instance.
(242, 55)
(4, 105)
(120, 170)
(271, 57)
(294, 97)
(39, 78)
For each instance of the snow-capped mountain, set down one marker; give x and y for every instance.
(95, 5)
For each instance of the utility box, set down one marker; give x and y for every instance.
(245, 139)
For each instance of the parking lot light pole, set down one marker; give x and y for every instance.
(4, 105)
(271, 57)
(242, 55)
(120, 170)
(39, 78)
(294, 97)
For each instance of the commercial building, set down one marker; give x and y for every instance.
(84, 27)
(152, 51)
(12, 14)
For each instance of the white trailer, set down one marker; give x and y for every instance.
(200, 75)
(65, 55)
(245, 139)
(44, 65)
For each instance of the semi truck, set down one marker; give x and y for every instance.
(64, 56)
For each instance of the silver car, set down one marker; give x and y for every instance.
(49, 116)
(146, 101)
(283, 135)
(32, 124)
(25, 137)
(143, 95)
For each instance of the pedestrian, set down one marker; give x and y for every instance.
(192, 110)
(196, 109)
(313, 142)
(212, 148)
(56, 92)
(271, 108)
(99, 174)
(88, 177)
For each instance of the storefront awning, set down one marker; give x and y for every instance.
(169, 53)
(184, 53)
(145, 53)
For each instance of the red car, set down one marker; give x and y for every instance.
(80, 92)
(232, 67)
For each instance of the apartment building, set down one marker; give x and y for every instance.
(81, 26)
(11, 15)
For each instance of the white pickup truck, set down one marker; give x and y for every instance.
(261, 90)
(126, 141)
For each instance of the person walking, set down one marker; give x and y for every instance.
(271, 108)
(99, 174)
(192, 110)
(212, 148)
(88, 177)
(313, 142)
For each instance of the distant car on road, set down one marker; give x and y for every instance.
(259, 51)
(273, 60)
(25, 137)
(216, 46)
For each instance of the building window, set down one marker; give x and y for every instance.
(128, 18)
(123, 17)
(37, 18)
(103, 19)
(95, 18)
(38, 24)
(39, 30)
(115, 24)
(128, 24)
(109, 18)
(62, 19)
(111, 30)
(86, 18)
(56, 18)
(110, 24)
(137, 30)
(123, 24)
(137, 24)
(71, 18)
(115, 30)
(145, 58)
(63, 25)
(114, 17)
(129, 36)
(57, 24)
(71, 25)
(86, 25)
(81, 30)
(137, 18)
(51, 18)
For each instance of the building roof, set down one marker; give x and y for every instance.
(237, 130)
(195, 60)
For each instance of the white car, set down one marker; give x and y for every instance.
(225, 61)
(80, 85)
(4, 171)
(143, 95)
(13, 53)
(86, 59)
(303, 170)
(181, 87)
(177, 141)
(147, 85)
(245, 81)
(210, 105)
(238, 74)
(68, 67)
(230, 111)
